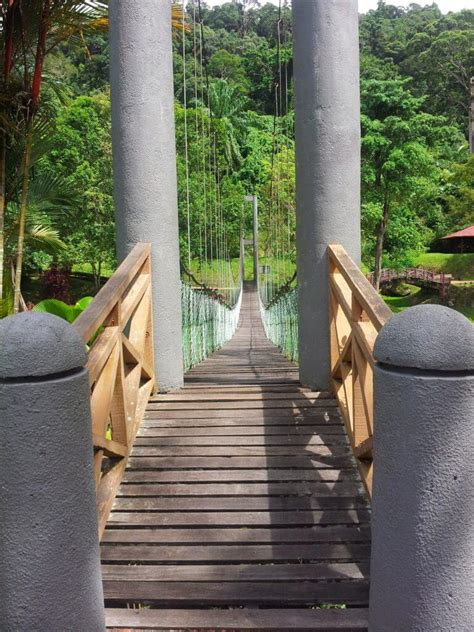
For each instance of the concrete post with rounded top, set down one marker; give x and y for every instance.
(422, 566)
(327, 111)
(49, 562)
(143, 140)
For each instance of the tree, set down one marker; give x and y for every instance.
(460, 195)
(400, 147)
(225, 65)
(227, 105)
(445, 67)
(82, 156)
(436, 50)
(31, 31)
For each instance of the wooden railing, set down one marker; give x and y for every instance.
(357, 313)
(118, 327)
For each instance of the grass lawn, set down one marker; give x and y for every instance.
(460, 266)
(86, 268)
(467, 311)
(417, 296)
(420, 295)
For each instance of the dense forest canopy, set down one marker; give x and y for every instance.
(417, 173)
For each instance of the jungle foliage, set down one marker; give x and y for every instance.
(417, 176)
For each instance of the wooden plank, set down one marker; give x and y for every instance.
(242, 405)
(100, 352)
(239, 518)
(244, 553)
(109, 447)
(276, 620)
(373, 305)
(204, 462)
(241, 535)
(214, 396)
(106, 492)
(250, 451)
(219, 379)
(236, 476)
(243, 593)
(292, 488)
(339, 500)
(152, 429)
(290, 389)
(226, 441)
(329, 407)
(236, 572)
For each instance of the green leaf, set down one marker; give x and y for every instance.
(57, 308)
(84, 303)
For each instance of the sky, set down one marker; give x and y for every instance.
(366, 5)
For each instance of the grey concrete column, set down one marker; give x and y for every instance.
(49, 561)
(255, 237)
(242, 256)
(143, 135)
(327, 104)
(422, 566)
(254, 200)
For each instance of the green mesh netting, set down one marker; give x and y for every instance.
(207, 323)
(280, 320)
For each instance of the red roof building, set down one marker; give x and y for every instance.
(462, 240)
(465, 232)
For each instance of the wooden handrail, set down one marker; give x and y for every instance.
(118, 327)
(112, 292)
(357, 314)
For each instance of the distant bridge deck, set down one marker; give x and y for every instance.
(242, 506)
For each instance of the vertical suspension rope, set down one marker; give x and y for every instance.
(279, 304)
(208, 319)
(186, 157)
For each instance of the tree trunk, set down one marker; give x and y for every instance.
(381, 230)
(22, 216)
(98, 275)
(7, 67)
(2, 209)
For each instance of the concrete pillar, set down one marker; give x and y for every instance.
(49, 562)
(422, 566)
(327, 110)
(143, 135)
(254, 200)
(242, 255)
(255, 237)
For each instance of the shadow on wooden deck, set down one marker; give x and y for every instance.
(242, 507)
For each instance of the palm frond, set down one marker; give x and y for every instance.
(45, 238)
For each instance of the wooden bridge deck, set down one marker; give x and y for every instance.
(242, 507)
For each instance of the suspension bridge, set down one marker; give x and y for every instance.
(269, 454)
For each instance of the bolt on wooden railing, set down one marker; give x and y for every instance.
(118, 327)
(357, 314)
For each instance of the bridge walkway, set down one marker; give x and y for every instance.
(241, 507)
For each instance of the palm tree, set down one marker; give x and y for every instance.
(31, 30)
(227, 104)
